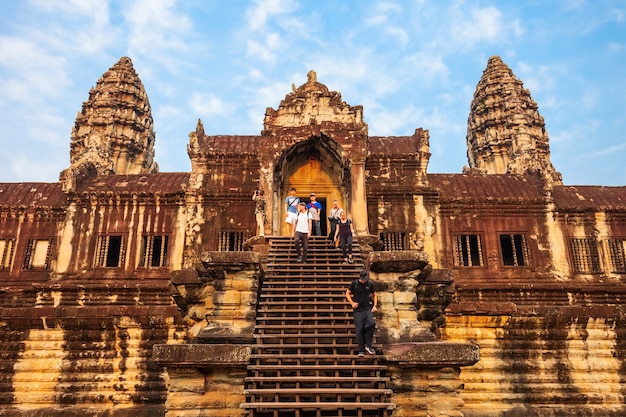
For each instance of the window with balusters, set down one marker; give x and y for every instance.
(231, 240)
(393, 240)
(110, 251)
(153, 251)
(585, 255)
(38, 254)
(468, 250)
(7, 248)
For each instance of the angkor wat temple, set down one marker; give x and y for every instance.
(125, 291)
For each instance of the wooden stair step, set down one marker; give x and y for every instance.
(369, 391)
(355, 367)
(304, 359)
(310, 379)
(320, 405)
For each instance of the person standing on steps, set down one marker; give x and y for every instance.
(301, 232)
(333, 218)
(363, 299)
(259, 211)
(345, 232)
(292, 202)
(315, 208)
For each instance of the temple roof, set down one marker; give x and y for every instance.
(32, 194)
(158, 183)
(458, 187)
(590, 197)
(393, 145)
(487, 187)
(507, 187)
(229, 144)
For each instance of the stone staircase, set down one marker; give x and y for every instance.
(305, 359)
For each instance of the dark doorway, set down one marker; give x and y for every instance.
(323, 215)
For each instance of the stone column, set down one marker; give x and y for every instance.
(358, 203)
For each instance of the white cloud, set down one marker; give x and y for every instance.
(381, 13)
(265, 49)
(539, 79)
(398, 122)
(608, 151)
(207, 105)
(383, 16)
(30, 73)
(468, 28)
(616, 47)
(427, 66)
(263, 10)
(155, 27)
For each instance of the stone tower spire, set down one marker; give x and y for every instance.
(505, 132)
(113, 133)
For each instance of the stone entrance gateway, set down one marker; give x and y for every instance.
(312, 166)
(317, 143)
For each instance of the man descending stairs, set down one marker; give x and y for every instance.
(305, 360)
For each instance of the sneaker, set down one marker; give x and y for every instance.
(361, 353)
(300, 260)
(370, 350)
(350, 260)
(345, 261)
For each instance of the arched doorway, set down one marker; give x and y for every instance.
(311, 166)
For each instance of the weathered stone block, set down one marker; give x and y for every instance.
(185, 380)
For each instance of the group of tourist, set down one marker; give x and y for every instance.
(304, 220)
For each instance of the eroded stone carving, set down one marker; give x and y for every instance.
(505, 132)
(113, 132)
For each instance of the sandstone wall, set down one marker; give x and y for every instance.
(540, 359)
(63, 359)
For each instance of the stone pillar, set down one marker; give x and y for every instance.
(358, 203)
(204, 379)
(426, 377)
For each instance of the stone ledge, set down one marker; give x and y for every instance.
(211, 259)
(432, 354)
(496, 308)
(201, 355)
(397, 261)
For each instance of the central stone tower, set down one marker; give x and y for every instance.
(505, 132)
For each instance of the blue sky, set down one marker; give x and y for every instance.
(410, 64)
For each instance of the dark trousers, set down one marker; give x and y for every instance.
(301, 239)
(364, 325)
(333, 228)
(317, 228)
(346, 246)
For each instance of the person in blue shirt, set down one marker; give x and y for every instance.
(315, 209)
(292, 202)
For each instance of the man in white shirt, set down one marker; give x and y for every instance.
(301, 231)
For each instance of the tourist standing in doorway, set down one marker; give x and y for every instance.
(301, 232)
(345, 233)
(259, 211)
(315, 208)
(333, 218)
(363, 299)
(292, 202)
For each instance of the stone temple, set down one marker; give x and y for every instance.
(125, 291)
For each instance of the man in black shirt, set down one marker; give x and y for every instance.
(363, 299)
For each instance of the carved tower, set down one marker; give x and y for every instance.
(113, 132)
(505, 132)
